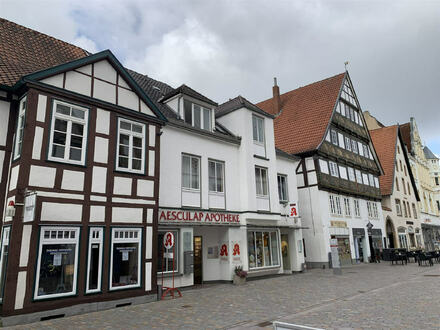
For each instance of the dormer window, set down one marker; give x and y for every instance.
(197, 115)
(258, 129)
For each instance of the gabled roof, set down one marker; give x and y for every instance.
(23, 51)
(104, 55)
(186, 90)
(305, 114)
(384, 141)
(238, 103)
(405, 130)
(429, 154)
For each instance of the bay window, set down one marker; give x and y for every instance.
(130, 152)
(94, 260)
(258, 129)
(20, 128)
(190, 172)
(57, 262)
(68, 134)
(261, 181)
(216, 176)
(125, 260)
(263, 249)
(164, 256)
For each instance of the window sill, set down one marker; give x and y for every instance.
(59, 161)
(261, 157)
(125, 171)
(214, 193)
(125, 287)
(191, 190)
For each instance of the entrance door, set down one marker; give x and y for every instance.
(198, 258)
(344, 250)
(285, 251)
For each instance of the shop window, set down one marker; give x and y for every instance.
(4, 259)
(20, 128)
(261, 181)
(258, 129)
(68, 135)
(94, 260)
(130, 152)
(216, 176)
(190, 172)
(282, 188)
(125, 261)
(164, 256)
(357, 210)
(57, 264)
(197, 115)
(263, 249)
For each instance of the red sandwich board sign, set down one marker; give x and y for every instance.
(168, 243)
(168, 240)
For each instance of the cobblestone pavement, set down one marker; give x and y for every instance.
(378, 296)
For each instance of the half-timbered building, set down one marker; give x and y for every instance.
(338, 184)
(79, 150)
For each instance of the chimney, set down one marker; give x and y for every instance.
(276, 97)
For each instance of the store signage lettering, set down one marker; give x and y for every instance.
(199, 217)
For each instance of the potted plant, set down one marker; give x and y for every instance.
(239, 275)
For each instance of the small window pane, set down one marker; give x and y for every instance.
(57, 151)
(123, 162)
(137, 142)
(124, 139)
(195, 173)
(77, 129)
(136, 128)
(136, 164)
(207, 119)
(78, 113)
(123, 151)
(60, 125)
(137, 153)
(75, 154)
(59, 138)
(186, 172)
(187, 111)
(211, 174)
(125, 125)
(62, 109)
(76, 141)
(197, 114)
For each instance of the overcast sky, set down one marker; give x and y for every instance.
(227, 48)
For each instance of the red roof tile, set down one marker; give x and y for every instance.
(384, 141)
(305, 114)
(405, 130)
(23, 51)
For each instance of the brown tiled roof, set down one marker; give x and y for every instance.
(405, 130)
(384, 141)
(23, 51)
(305, 114)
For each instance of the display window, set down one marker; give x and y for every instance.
(94, 262)
(165, 256)
(263, 249)
(57, 264)
(125, 270)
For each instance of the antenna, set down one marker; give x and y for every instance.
(346, 63)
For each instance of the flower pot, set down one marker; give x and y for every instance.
(239, 280)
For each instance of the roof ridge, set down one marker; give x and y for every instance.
(86, 52)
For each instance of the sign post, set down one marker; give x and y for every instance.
(336, 264)
(168, 243)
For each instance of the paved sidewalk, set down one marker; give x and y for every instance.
(364, 296)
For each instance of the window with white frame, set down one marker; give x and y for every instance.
(347, 207)
(333, 169)
(4, 258)
(358, 176)
(371, 179)
(335, 204)
(131, 146)
(361, 149)
(263, 249)
(68, 135)
(375, 211)
(414, 210)
(190, 172)
(366, 151)
(282, 188)
(57, 262)
(216, 173)
(94, 261)
(357, 209)
(165, 256)
(197, 115)
(347, 143)
(343, 172)
(261, 181)
(365, 179)
(334, 137)
(376, 182)
(20, 128)
(341, 140)
(323, 165)
(398, 207)
(258, 129)
(125, 260)
(351, 176)
(370, 209)
(354, 146)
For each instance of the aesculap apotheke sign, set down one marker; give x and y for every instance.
(200, 217)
